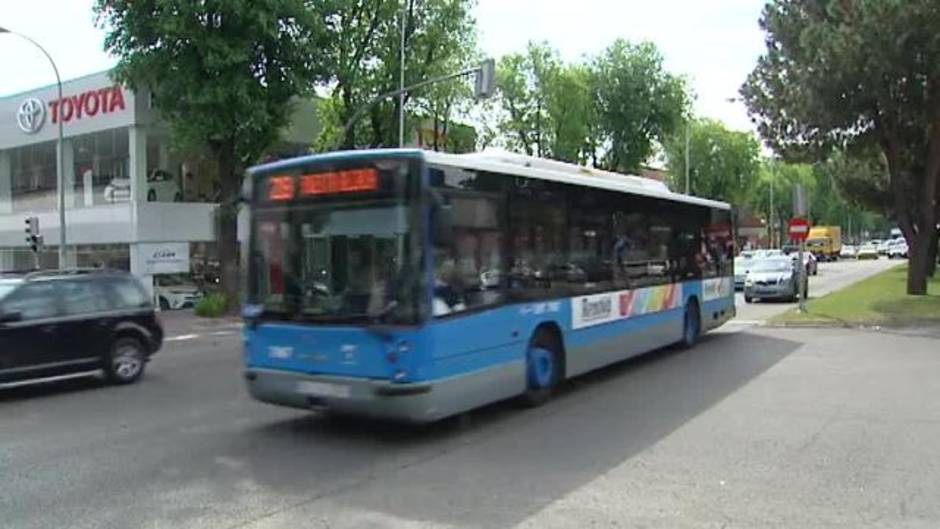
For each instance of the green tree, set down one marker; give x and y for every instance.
(637, 103)
(223, 75)
(723, 164)
(859, 76)
(363, 58)
(525, 86)
(774, 185)
(860, 193)
(571, 112)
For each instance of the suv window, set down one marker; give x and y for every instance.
(34, 301)
(127, 293)
(83, 297)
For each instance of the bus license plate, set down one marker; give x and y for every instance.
(323, 389)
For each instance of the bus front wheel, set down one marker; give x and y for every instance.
(544, 368)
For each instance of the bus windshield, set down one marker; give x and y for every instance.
(343, 257)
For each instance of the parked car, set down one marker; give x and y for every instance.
(117, 190)
(68, 324)
(161, 187)
(868, 250)
(848, 251)
(898, 249)
(775, 278)
(172, 292)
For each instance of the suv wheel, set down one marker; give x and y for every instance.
(164, 304)
(126, 362)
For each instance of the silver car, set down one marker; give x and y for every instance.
(742, 265)
(774, 278)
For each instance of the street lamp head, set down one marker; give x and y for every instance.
(4, 30)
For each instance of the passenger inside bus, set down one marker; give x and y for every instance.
(448, 295)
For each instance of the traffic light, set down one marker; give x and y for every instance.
(33, 238)
(485, 82)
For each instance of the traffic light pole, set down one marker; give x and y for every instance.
(484, 88)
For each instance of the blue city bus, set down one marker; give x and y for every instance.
(416, 285)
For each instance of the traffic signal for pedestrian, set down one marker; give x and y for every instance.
(33, 237)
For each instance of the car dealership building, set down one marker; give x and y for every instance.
(133, 201)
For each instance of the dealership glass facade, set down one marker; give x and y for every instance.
(128, 190)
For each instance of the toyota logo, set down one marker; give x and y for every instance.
(31, 115)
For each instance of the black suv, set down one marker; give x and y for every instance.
(71, 323)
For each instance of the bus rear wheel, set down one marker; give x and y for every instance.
(692, 325)
(544, 368)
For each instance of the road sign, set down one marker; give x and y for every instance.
(798, 228)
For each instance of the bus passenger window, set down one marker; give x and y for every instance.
(469, 270)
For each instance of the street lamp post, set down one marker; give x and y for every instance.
(59, 171)
(688, 125)
(401, 78)
(773, 227)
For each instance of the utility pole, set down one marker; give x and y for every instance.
(401, 77)
(773, 227)
(688, 126)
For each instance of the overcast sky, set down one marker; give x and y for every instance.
(715, 43)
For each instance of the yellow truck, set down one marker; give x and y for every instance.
(825, 242)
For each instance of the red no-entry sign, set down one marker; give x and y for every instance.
(799, 228)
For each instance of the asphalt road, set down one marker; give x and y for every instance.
(756, 428)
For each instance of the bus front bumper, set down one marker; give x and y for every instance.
(413, 402)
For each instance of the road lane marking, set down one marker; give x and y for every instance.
(181, 338)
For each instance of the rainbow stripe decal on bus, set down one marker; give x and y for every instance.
(611, 306)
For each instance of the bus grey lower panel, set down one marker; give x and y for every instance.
(613, 349)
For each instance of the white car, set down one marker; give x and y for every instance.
(172, 292)
(867, 251)
(768, 253)
(898, 249)
(848, 251)
(883, 247)
(118, 190)
(161, 187)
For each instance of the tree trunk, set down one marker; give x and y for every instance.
(349, 137)
(932, 253)
(918, 264)
(227, 222)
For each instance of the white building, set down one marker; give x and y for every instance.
(132, 200)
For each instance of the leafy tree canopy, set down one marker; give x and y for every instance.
(855, 76)
(723, 164)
